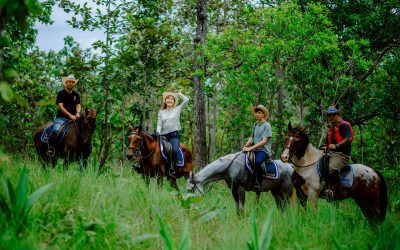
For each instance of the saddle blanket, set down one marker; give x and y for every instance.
(346, 177)
(166, 152)
(46, 133)
(270, 169)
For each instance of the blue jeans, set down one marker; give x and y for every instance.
(175, 141)
(261, 156)
(58, 122)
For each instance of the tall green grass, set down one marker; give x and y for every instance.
(116, 210)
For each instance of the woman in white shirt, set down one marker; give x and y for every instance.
(168, 123)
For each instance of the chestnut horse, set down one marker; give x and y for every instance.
(151, 162)
(74, 145)
(368, 190)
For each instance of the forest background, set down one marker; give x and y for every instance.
(295, 57)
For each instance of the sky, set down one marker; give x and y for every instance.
(51, 37)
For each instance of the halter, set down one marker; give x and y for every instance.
(292, 153)
(141, 143)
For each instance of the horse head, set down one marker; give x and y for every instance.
(135, 139)
(88, 124)
(192, 186)
(296, 142)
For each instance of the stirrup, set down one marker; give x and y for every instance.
(51, 151)
(257, 187)
(329, 193)
(171, 172)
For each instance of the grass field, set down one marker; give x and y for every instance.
(116, 210)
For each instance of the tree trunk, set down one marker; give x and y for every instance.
(199, 97)
(105, 139)
(151, 111)
(145, 87)
(213, 131)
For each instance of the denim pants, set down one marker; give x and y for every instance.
(175, 141)
(261, 156)
(58, 122)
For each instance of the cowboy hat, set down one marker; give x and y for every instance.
(332, 110)
(69, 78)
(260, 107)
(173, 94)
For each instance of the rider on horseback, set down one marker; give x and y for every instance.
(168, 124)
(69, 107)
(338, 140)
(260, 141)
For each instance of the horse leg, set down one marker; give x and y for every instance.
(239, 194)
(258, 194)
(172, 181)
(280, 199)
(302, 196)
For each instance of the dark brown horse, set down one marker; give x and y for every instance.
(151, 162)
(369, 188)
(74, 145)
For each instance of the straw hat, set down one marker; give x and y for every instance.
(260, 107)
(173, 94)
(69, 78)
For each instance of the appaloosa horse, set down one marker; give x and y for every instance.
(232, 169)
(151, 161)
(369, 188)
(75, 144)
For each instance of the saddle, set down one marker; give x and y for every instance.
(167, 152)
(338, 180)
(269, 167)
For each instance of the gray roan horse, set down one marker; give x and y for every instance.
(232, 169)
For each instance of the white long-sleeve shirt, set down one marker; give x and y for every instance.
(169, 119)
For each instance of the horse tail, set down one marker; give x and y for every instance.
(383, 197)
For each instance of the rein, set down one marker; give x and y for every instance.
(212, 184)
(141, 143)
(299, 166)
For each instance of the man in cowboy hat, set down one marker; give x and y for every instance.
(260, 141)
(338, 141)
(69, 107)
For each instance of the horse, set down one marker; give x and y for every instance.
(75, 144)
(369, 189)
(151, 161)
(232, 169)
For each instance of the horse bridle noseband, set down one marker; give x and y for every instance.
(141, 143)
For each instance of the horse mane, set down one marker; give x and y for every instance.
(304, 141)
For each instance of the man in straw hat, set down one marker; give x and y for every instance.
(338, 141)
(260, 141)
(69, 107)
(168, 123)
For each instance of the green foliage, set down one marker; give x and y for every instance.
(184, 243)
(262, 241)
(16, 204)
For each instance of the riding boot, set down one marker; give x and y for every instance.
(257, 179)
(334, 184)
(51, 145)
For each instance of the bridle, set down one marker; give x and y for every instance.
(212, 184)
(132, 135)
(294, 151)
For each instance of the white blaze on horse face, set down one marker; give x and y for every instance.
(286, 151)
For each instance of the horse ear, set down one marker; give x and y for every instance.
(86, 111)
(290, 126)
(131, 128)
(140, 129)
